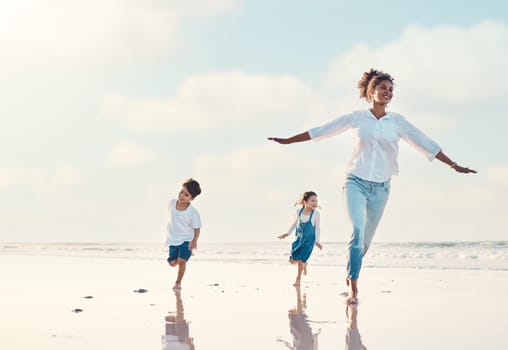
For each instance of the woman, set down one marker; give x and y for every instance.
(373, 162)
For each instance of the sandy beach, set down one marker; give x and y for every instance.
(234, 305)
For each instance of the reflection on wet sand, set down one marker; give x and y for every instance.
(303, 337)
(353, 338)
(177, 329)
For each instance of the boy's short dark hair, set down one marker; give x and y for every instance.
(193, 187)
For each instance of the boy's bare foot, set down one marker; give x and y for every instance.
(297, 283)
(350, 300)
(177, 286)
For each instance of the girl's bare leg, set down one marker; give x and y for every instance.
(299, 273)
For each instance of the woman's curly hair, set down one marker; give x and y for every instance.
(370, 80)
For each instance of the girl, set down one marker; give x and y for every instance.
(373, 161)
(307, 233)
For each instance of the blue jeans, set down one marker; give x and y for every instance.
(365, 202)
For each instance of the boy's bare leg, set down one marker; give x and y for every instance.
(299, 273)
(182, 263)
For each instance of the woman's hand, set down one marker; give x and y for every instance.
(461, 169)
(304, 136)
(279, 140)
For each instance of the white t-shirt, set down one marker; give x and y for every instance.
(375, 150)
(181, 224)
(305, 218)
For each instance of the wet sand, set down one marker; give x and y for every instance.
(129, 304)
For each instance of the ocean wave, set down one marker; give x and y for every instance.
(492, 255)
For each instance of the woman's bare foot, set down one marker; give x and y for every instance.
(353, 291)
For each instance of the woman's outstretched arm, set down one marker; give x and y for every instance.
(304, 136)
(442, 157)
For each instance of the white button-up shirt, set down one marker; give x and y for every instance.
(375, 151)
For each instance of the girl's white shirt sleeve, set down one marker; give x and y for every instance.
(316, 221)
(292, 228)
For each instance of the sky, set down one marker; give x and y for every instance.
(108, 106)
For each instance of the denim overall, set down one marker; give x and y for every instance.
(305, 239)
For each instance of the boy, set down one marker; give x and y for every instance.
(183, 228)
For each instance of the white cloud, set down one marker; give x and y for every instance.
(216, 100)
(498, 175)
(203, 7)
(432, 75)
(248, 192)
(39, 180)
(95, 33)
(128, 154)
(65, 177)
(252, 190)
(8, 177)
(433, 68)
